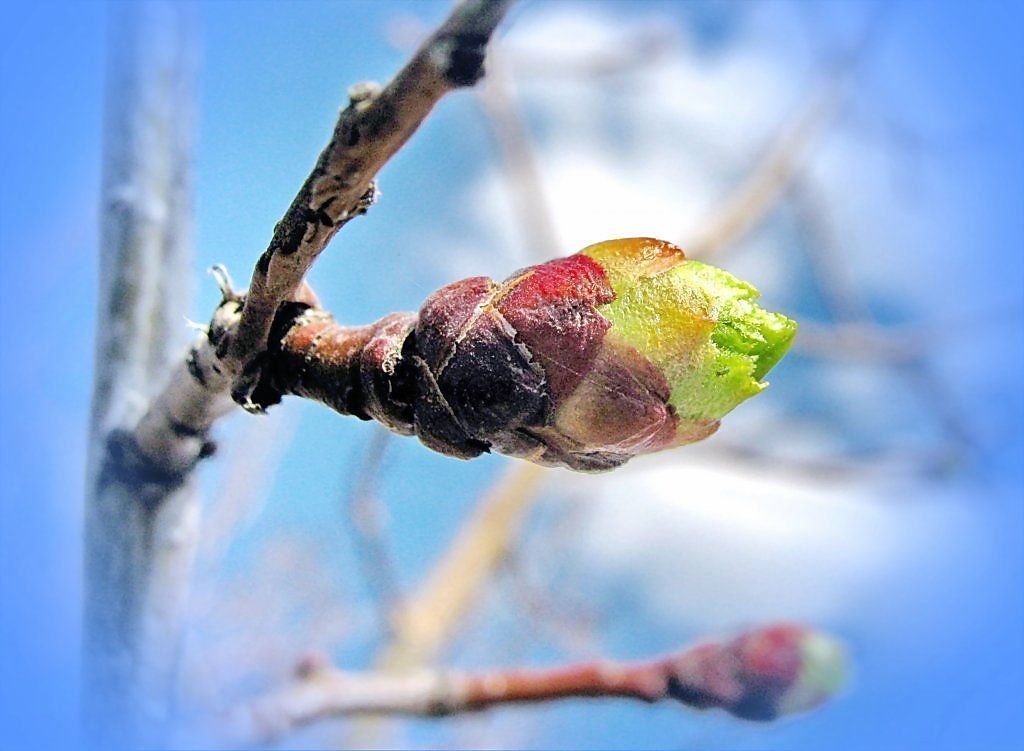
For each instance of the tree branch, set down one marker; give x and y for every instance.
(760, 675)
(368, 132)
(140, 531)
(226, 359)
(142, 515)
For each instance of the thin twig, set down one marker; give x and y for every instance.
(907, 350)
(572, 630)
(759, 675)
(245, 482)
(634, 49)
(364, 515)
(754, 197)
(369, 131)
(226, 359)
(833, 275)
(519, 160)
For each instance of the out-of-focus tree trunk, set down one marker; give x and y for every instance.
(140, 525)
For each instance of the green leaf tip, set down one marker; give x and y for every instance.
(700, 325)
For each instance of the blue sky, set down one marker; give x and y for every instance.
(936, 627)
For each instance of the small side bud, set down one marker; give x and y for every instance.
(773, 671)
(364, 91)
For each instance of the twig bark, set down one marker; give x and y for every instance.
(759, 675)
(140, 532)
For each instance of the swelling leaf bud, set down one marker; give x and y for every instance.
(622, 349)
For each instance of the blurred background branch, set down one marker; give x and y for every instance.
(140, 531)
(367, 521)
(760, 675)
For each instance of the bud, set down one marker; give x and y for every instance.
(772, 671)
(686, 345)
(586, 361)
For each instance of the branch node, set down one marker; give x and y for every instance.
(460, 57)
(231, 356)
(201, 328)
(125, 463)
(208, 449)
(246, 402)
(310, 664)
(368, 199)
(362, 93)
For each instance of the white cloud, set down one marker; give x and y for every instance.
(711, 545)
